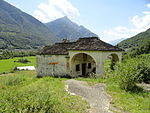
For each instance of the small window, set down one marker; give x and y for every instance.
(77, 67)
(89, 65)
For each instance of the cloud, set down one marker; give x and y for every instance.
(139, 24)
(148, 5)
(55, 9)
(121, 29)
(146, 12)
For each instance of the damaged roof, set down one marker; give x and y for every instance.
(84, 44)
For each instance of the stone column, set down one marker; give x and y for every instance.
(99, 69)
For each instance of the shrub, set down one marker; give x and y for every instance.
(23, 60)
(127, 74)
(132, 71)
(144, 67)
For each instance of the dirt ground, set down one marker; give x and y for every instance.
(95, 95)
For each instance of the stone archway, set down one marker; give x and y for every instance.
(114, 59)
(82, 64)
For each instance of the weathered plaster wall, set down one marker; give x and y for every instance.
(65, 64)
(51, 65)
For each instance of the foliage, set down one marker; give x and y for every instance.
(128, 74)
(11, 54)
(135, 51)
(23, 92)
(132, 71)
(23, 61)
(124, 101)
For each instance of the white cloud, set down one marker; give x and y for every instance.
(148, 5)
(139, 23)
(55, 9)
(121, 29)
(146, 12)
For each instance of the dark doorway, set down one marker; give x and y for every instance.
(84, 69)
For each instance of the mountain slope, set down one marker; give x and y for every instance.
(20, 30)
(135, 41)
(65, 28)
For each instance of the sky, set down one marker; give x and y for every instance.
(109, 19)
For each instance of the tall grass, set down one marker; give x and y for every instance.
(23, 92)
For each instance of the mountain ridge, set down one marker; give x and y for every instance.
(65, 28)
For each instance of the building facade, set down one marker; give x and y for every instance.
(80, 58)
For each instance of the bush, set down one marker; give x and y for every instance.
(127, 74)
(132, 71)
(23, 60)
(144, 67)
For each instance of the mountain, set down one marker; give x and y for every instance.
(115, 42)
(65, 28)
(18, 30)
(135, 41)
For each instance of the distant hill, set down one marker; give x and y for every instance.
(65, 28)
(19, 30)
(135, 41)
(115, 42)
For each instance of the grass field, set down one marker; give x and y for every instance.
(22, 92)
(8, 65)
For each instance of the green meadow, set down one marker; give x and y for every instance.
(8, 65)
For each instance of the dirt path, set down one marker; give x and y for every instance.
(95, 95)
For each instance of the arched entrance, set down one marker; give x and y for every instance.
(111, 61)
(82, 65)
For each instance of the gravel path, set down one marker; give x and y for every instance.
(95, 95)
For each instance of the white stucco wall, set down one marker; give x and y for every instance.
(45, 66)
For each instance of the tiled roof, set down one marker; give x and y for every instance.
(84, 44)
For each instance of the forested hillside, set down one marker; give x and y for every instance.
(135, 41)
(20, 30)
